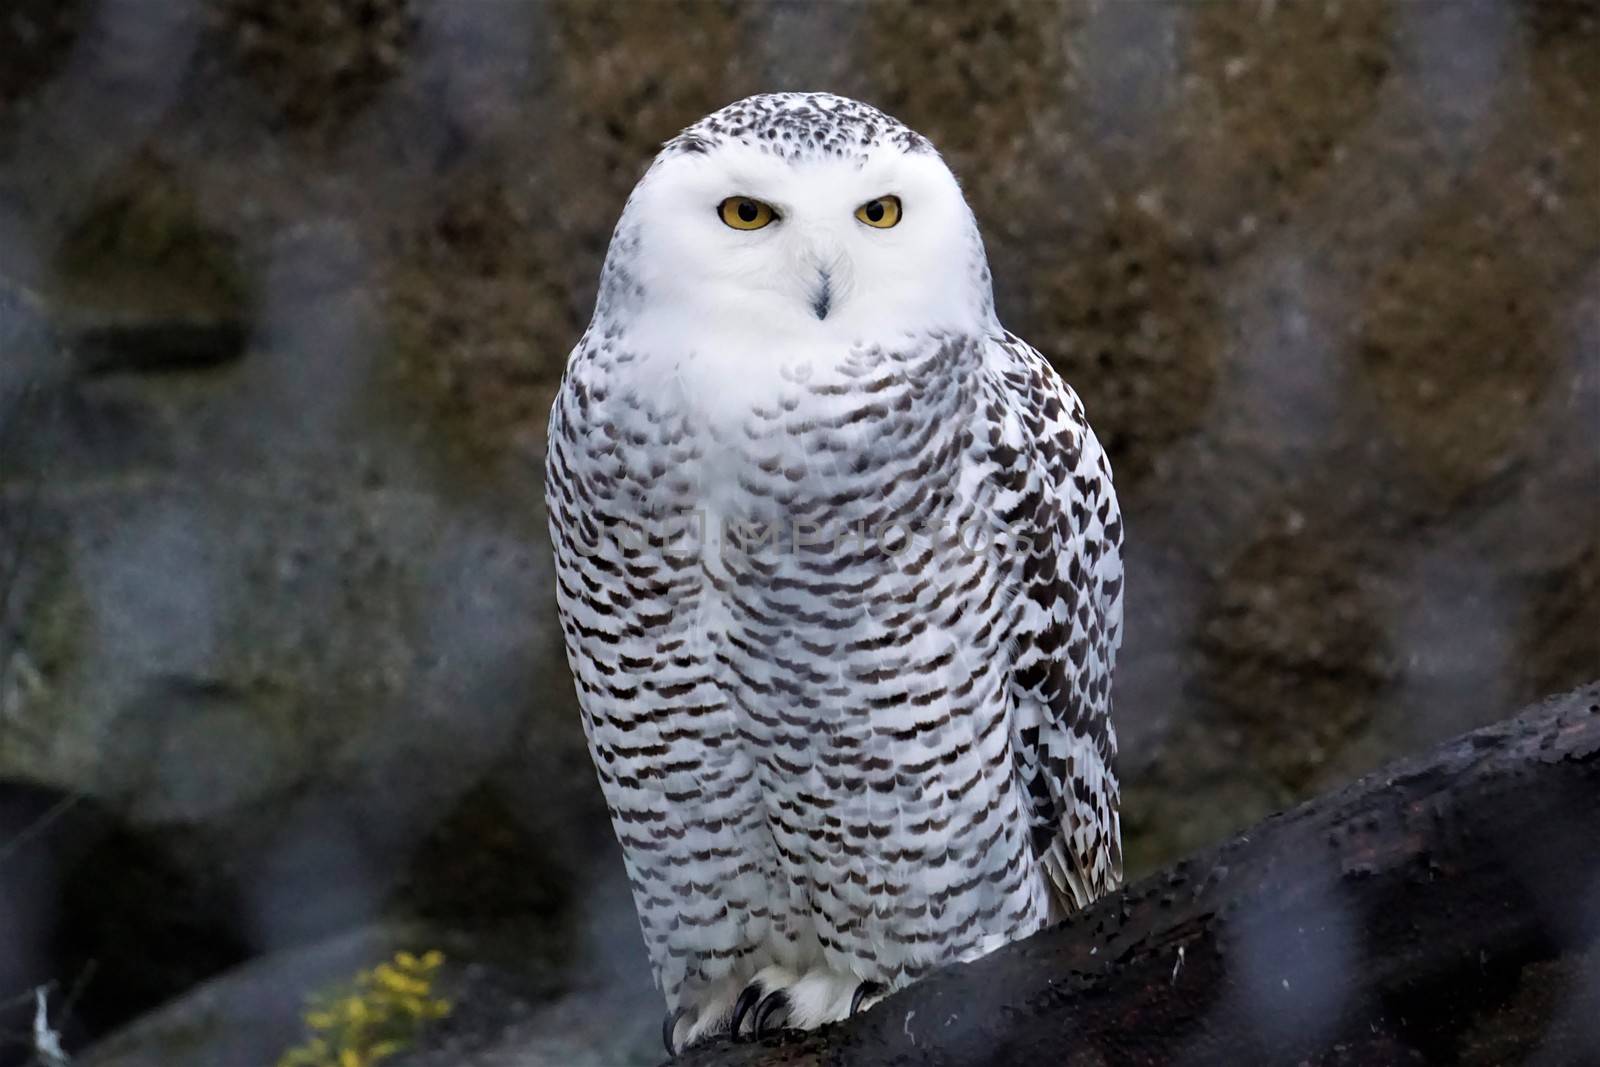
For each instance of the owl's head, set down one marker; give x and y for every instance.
(801, 216)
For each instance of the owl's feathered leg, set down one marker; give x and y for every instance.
(775, 998)
(732, 1006)
(803, 1000)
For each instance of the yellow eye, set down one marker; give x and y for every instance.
(743, 213)
(882, 212)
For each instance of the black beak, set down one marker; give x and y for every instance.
(824, 298)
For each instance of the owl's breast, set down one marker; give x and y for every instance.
(833, 435)
(805, 455)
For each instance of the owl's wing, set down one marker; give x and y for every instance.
(1064, 531)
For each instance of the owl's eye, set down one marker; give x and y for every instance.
(743, 213)
(882, 212)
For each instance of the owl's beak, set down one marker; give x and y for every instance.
(822, 297)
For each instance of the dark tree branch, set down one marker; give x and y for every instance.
(1442, 910)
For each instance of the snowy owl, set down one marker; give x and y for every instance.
(839, 569)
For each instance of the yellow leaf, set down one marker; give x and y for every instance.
(391, 979)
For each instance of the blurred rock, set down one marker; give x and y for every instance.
(156, 345)
(99, 915)
(318, 682)
(35, 37)
(510, 1005)
(255, 1013)
(593, 1028)
(314, 61)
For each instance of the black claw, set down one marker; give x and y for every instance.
(863, 991)
(741, 1007)
(773, 1003)
(668, 1026)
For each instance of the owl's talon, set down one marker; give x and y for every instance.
(748, 999)
(863, 991)
(773, 1003)
(669, 1026)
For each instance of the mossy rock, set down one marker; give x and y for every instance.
(142, 249)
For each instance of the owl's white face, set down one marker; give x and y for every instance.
(817, 276)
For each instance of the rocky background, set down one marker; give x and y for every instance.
(286, 287)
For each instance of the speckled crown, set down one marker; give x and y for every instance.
(799, 126)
